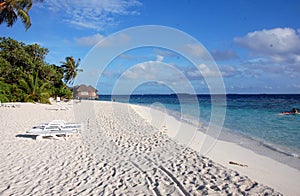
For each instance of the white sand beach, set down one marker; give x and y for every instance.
(130, 150)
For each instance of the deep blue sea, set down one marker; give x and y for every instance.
(255, 117)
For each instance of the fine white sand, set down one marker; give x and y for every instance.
(125, 149)
(262, 169)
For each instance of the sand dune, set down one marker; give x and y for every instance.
(118, 152)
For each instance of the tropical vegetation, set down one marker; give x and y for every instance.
(26, 77)
(11, 10)
(70, 69)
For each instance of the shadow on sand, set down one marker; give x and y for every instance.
(26, 136)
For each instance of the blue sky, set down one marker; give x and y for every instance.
(255, 44)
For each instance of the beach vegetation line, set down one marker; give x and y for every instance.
(25, 76)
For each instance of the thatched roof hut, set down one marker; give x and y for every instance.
(84, 92)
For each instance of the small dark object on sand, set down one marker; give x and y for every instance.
(234, 163)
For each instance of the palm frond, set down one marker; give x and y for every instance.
(9, 17)
(25, 18)
(10, 10)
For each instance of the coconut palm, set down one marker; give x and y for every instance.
(35, 90)
(70, 68)
(10, 10)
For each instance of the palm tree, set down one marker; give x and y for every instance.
(70, 69)
(34, 89)
(10, 10)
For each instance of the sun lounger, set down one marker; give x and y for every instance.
(54, 134)
(55, 129)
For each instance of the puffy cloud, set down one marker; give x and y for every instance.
(92, 14)
(157, 72)
(203, 71)
(149, 70)
(280, 45)
(89, 40)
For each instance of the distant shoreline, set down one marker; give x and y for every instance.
(149, 94)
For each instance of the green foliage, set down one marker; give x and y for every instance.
(25, 76)
(35, 89)
(4, 92)
(70, 68)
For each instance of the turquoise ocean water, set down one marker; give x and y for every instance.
(252, 121)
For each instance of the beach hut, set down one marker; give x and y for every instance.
(84, 92)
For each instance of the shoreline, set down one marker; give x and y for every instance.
(260, 167)
(271, 134)
(122, 150)
(279, 153)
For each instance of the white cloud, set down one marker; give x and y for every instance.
(204, 71)
(261, 68)
(89, 40)
(155, 71)
(93, 14)
(280, 45)
(150, 70)
(158, 72)
(147, 70)
(229, 71)
(159, 58)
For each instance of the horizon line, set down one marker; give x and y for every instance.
(198, 94)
